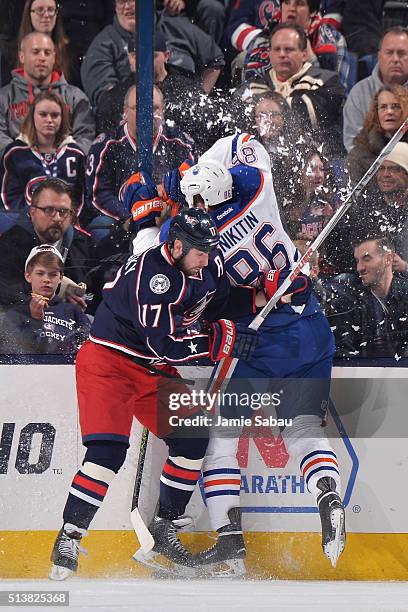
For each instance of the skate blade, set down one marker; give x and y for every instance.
(232, 568)
(335, 547)
(165, 569)
(59, 573)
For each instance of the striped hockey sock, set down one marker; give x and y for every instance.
(221, 489)
(316, 464)
(86, 494)
(177, 482)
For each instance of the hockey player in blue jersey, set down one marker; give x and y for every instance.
(145, 324)
(296, 344)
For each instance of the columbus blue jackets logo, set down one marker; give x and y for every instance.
(192, 221)
(159, 283)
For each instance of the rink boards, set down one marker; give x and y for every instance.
(40, 450)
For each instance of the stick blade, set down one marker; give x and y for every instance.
(144, 536)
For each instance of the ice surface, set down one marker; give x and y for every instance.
(221, 595)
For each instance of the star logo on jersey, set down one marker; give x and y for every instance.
(192, 347)
(159, 284)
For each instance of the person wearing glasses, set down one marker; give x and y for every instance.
(387, 111)
(43, 323)
(49, 220)
(43, 16)
(111, 160)
(391, 69)
(278, 128)
(37, 57)
(44, 148)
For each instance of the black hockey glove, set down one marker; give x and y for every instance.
(228, 339)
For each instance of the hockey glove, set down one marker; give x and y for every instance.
(230, 340)
(297, 293)
(171, 192)
(141, 199)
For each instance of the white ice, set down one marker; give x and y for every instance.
(221, 595)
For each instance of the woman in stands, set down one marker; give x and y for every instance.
(309, 194)
(278, 129)
(43, 149)
(42, 16)
(388, 110)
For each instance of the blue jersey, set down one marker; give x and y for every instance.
(152, 309)
(23, 167)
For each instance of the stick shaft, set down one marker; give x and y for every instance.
(140, 466)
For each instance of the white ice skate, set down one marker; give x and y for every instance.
(332, 517)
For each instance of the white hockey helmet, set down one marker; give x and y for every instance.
(209, 179)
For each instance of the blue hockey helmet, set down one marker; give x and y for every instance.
(195, 229)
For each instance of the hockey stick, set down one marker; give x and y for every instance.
(226, 366)
(144, 536)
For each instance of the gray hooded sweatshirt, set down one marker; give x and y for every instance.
(357, 105)
(16, 97)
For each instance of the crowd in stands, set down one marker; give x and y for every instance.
(322, 84)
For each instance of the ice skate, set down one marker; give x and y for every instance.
(66, 550)
(226, 558)
(332, 516)
(178, 562)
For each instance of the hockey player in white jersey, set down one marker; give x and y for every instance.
(296, 341)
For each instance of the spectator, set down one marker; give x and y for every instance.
(308, 204)
(44, 323)
(190, 48)
(326, 47)
(392, 69)
(83, 20)
(369, 317)
(106, 62)
(112, 160)
(43, 149)
(186, 104)
(384, 210)
(278, 129)
(37, 56)
(314, 94)
(388, 110)
(43, 16)
(110, 106)
(209, 15)
(49, 221)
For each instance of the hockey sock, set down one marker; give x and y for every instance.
(221, 479)
(87, 492)
(103, 459)
(177, 482)
(307, 444)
